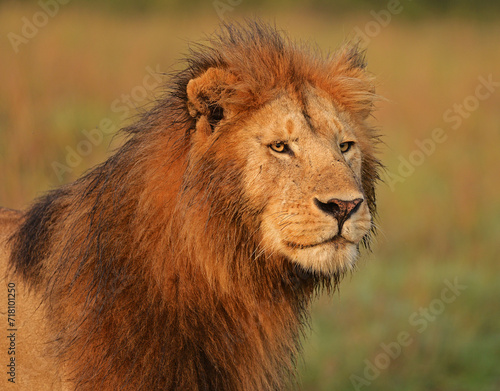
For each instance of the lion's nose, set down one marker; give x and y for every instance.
(340, 209)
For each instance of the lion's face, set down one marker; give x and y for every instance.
(303, 170)
(303, 160)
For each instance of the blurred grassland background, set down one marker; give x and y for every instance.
(439, 216)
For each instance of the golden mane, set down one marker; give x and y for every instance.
(150, 267)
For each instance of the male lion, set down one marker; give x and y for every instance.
(187, 260)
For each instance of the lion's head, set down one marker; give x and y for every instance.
(293, 126)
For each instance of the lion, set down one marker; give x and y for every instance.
(188, 260)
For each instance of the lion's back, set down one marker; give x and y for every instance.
(23, 342)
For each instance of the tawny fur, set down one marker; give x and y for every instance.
(150, 271)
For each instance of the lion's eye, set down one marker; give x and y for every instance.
(344, 147)
(279, 146)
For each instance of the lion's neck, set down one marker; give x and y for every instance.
(192, 336)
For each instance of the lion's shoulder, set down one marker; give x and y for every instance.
(36, 370)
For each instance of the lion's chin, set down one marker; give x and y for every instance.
(326, 258)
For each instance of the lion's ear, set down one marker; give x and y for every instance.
(351, 85)
(208, 95)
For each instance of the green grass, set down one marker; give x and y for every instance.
(441, 223)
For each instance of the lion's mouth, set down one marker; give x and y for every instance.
(337, 240)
